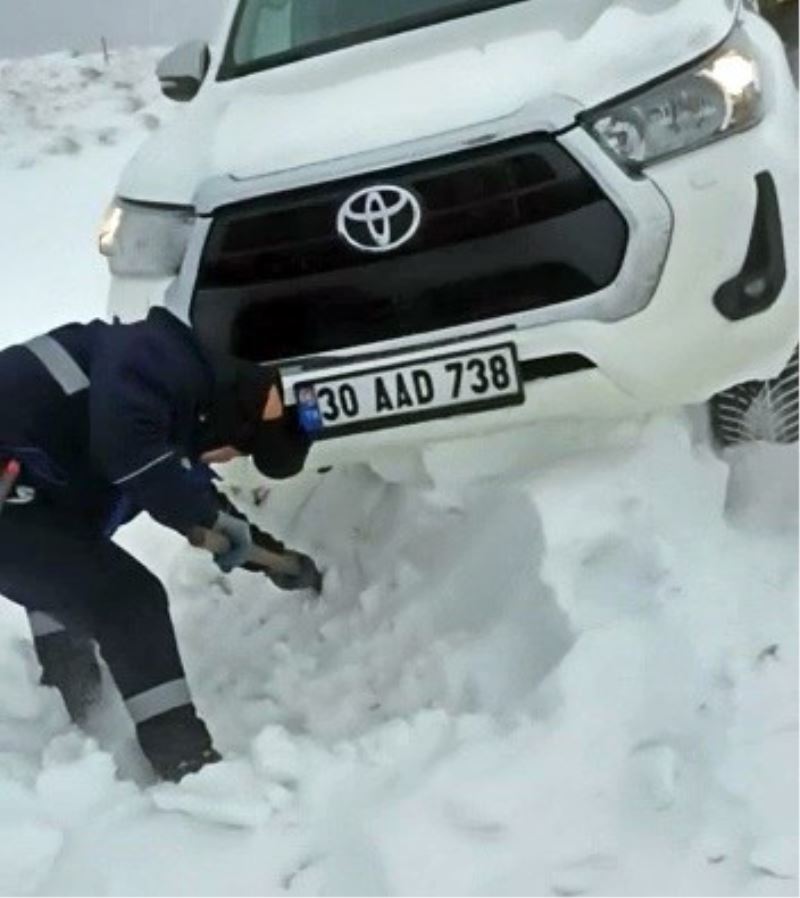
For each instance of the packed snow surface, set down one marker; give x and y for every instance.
(531, 672)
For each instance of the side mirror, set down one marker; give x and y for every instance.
(183, 71)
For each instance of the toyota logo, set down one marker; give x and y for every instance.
(379, 219)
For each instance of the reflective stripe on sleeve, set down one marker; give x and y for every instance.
(151, 464)
(158, 700)
(59, 363)
(44, 625)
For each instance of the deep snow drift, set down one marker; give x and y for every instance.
(535, 670)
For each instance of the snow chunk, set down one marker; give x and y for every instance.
(276, 756)
(27, 853)
(227, 793)
(77, 781)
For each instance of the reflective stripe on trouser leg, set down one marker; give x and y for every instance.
(44, 625)
(158, 700)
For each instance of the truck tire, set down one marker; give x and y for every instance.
(758, 411)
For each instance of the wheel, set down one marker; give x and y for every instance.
(758, 411)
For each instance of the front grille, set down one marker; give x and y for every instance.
(505, 228)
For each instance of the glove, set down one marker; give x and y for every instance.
(237, 532)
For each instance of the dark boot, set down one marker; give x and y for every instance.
(176, 743)
(69, 663)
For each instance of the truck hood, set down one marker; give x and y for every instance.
(567, 55)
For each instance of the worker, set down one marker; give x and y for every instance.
(99, 422)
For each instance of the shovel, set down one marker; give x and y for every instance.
(288, 570)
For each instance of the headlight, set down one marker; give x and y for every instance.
(143, 241)
(719, 96)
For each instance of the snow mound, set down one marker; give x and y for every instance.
(575, 678)
(62, 104)
(571, 678)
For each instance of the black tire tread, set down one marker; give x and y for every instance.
(759, 411)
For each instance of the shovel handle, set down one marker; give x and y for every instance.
(217, 544)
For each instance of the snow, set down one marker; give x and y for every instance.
(48, 25)
(67, 125)
(538, 667)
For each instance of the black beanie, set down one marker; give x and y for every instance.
(279, 448)
(240, 406)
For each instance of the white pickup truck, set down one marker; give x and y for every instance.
(446, 217)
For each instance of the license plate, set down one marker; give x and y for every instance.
(409, 392)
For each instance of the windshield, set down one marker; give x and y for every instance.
(267, 33)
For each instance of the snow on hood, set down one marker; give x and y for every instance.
(424, 83)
